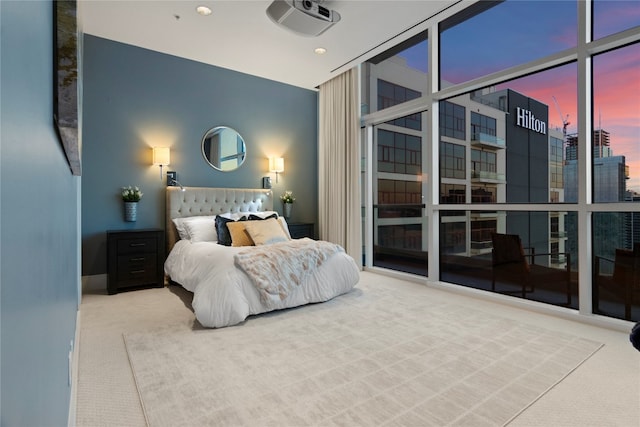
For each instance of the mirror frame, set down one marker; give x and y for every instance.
(218, 130)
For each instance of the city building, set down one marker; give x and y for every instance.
(495, 147)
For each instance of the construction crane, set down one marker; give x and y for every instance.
(564, 120)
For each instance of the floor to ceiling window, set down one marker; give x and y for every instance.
(399, 222)
(492, 36)
(513, 134)
(398, 229)
(615, 161)
(486, 173)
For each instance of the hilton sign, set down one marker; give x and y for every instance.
(526, 119)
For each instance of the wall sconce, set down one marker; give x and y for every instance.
(161, 157)
(172, 180)
(276, 164)
(175, 182)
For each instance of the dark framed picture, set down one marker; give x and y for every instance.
(65, 68)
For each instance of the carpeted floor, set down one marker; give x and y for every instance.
(391, 353)
(377, 356)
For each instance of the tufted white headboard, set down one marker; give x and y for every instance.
(195, 201)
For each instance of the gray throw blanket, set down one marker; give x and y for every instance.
(278, 268)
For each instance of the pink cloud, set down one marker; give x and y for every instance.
(616, 78)
(616, 103)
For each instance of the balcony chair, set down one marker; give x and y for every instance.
(621, 286)
(511, 265)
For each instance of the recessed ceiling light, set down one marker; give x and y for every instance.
(320, 50)
(203, 10)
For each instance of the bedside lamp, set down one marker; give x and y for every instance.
(172, 180)
(175, 182)
(161, 157)
(276, 164)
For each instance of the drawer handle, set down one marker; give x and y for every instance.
(137, 272)
(133, 245)
(136, 259)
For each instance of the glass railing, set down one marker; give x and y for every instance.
(517, 260)
(485, 138)
(399, 241)
(616, 265)
(494, 176)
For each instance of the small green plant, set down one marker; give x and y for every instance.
(287, 197)
(131, 194)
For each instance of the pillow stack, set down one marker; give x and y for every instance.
(222, 228)
(197, 228)
(257, 232)
(234, 229)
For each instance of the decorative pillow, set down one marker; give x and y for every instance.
(202, 228)
(182, 231)
(285, 226)
(197, 228)
(254, 217)
(224, 237)
(234, 216)
(239, 235)
(266, 232)
(260, 215)
(257, 215)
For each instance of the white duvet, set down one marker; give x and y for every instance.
(223, 295)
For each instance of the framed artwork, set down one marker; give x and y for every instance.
(65, 67)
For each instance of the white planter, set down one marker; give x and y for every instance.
(287, 210)
(130, 211)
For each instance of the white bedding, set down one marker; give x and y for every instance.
(224, 295)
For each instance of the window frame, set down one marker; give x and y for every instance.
(430, 100)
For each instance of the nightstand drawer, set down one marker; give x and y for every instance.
(137, 268)
(134, 259)
(136, 245)
(302, 229)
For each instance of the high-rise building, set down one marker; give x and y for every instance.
(532, 169)
(601, 148)
(495, 147)
(633, 222)
(610, 230)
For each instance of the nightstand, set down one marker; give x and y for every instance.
(299, 230)
(134, 259)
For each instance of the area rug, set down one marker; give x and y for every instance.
(380, 355)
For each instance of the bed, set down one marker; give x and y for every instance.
(230, 283)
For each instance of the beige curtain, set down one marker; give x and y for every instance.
(339, 164)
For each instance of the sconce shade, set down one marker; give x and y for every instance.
(161, 156)
(276, 164)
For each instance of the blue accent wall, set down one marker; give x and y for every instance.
(39, 252)
(135, 99)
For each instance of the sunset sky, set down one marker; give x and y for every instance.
(517, 31)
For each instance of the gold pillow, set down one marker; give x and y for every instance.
(239, 236)
(266, 232)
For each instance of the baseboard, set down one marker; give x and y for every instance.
(97, 282)
(75, 367)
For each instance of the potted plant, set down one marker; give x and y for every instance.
(287, 201)
(131, 196)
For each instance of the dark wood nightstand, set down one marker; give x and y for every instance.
(134, 259)
(299, 230)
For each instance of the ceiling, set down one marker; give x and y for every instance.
(239, 35)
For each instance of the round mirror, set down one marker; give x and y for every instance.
(223, 148)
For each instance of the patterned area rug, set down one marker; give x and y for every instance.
(380, 355)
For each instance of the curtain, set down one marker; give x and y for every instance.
(339, 164)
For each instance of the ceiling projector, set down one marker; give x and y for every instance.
(304, 17)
